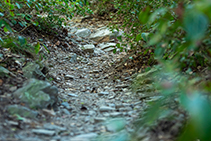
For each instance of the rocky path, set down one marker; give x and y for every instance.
(90, 105)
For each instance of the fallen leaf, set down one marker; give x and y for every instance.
(1, 82)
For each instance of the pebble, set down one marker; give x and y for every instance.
(43, 132)
(69, 77)
(106, 109)
(103, 93)
(66, 105)
(66, 111)
(115, 114)
(73, 95)
(99, 119)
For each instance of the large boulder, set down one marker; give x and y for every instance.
(37, 94)
(32, 70)
(22, 111)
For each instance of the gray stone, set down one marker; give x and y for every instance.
(115, 125)
(85, 32)
(84, 137)
(22, 111)
(69, 77)
(73, 58)
(12, 89)
(37, 94)
(106, 109)
(121, 86)
(65, 104)
(73, 30)
(43, 132)
(89, 48)
(103, 33)
(73, 95)
(104, 46)
(50, 126)
(98, 51)
(92, 113)
(65, 111)
(115, 114)
(110, 49)
(103, 93)
(4, 71)
(99, 119)
(1, 56)
(123, 109)
(32, 70)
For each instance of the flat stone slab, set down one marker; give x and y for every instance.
(43, 132)
(106, 109)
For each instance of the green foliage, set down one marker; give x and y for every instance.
(18, 45)
(45, 15)
(178, 34)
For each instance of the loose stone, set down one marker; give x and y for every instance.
(43, 132)
(106, 109)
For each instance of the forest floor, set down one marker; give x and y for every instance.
(95, 99)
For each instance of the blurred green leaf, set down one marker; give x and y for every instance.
(195, 25)
(37, 48)
(22, 40)
(1, 14)
(18, 5)
(144, 15)
(145, 36)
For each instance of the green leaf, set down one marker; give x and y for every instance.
(37, 48)
(2, 22)
(155, 15)
(145, 36)
(1, 14)
(12, 13)
(5, 29)
(18, 5)
(196, 25)
(144, 15)
(22, 40)
(114, 51)
(118, 45)
(138, 37)
(46, 48)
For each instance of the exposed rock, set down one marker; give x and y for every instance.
(103, 93)
(73, 57)
(99, 119)
(115, 114)
(22, 111)
(85, 137)
(69, 77)
(32, 70)
(50, 126)
(85, 32)
(73, 95)
(103, 34)
(106, 109)
(115, 125)
(4, 71)
(43, 132)
(66, 112)
(37, 94)
(104, 46)
(66, 105)
(109, 49)
(89, 48)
